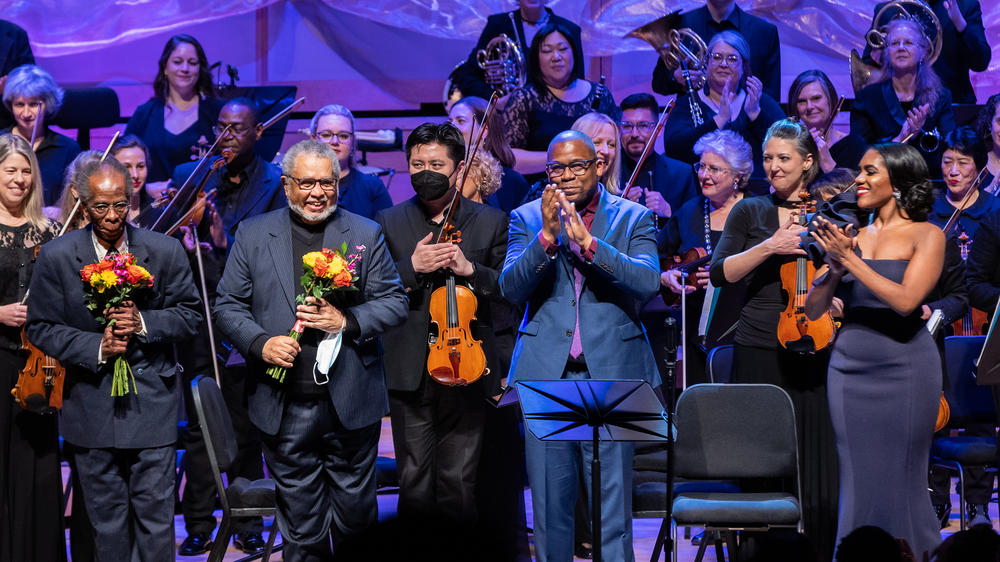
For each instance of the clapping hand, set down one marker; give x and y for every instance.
(572, 223)
(786, 239)
(725, 114)
(838, 243)
(752, 104)
(915, 120)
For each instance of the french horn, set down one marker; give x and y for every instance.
(503, 64)
(863, 74)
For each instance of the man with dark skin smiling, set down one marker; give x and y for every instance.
(244, 187)
(320, 426)
(584, 262)
(437, 430)
(124, 446)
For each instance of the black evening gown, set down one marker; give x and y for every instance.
(883, 384)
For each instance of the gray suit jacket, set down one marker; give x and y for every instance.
(257, 298)
(61, 326)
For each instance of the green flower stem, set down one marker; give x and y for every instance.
(276, 371)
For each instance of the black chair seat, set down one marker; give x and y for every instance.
(243, 492)
(981, 450)
(651, 495)
(773, 508)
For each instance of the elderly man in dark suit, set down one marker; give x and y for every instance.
(124, 445)
(320, 432)
(584, 262)
(437, 430)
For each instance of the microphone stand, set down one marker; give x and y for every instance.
(670, 362)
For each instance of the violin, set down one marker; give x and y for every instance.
(687, 263)
(796, 332)
(455, 357)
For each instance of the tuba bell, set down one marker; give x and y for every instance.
(503, 64)
(863, 74)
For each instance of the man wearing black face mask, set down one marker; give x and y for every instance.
(437, 429)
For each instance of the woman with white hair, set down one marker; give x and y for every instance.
(359, 193)
(33, 97)
(724, 166)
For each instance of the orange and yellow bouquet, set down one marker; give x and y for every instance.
(323, 273)
(109, 283)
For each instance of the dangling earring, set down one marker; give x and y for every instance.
(896, 194)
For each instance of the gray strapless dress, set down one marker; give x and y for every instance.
(884, 385)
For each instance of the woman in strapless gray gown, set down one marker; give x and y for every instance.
(885, 370)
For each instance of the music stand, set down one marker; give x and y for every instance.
(592, 410)
(988, 363)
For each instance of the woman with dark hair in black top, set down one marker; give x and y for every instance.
(181, 114)
(552, 99)
(761, 234)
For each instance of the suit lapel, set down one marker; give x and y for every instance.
(85, 253)
(335, 233)
(280, 246)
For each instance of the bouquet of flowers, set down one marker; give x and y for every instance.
(109, 283)
(323, 273)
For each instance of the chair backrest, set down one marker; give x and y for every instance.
(216, 425)
(735, 431)
(720, 363)
(968, 401)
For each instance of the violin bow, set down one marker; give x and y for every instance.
(833, 115)
(646, 150)
(470, 158)
(962, 205)
(288, 109)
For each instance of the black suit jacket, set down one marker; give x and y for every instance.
(484, 243)
(257, 300)
(960, 52)
(61, 326)
(673, 179)
(468, 77)
(765, 49)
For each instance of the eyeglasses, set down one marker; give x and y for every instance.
(708, 169)
(578, 167)
(328, 185)
(731, 60)
(235, 130)
(641, 126)
(328, 136)
(101, 209)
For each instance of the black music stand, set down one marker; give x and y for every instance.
(988, 363)
(592, 410)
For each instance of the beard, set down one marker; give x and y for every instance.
(312, 217)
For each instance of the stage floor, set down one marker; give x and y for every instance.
(643, 530)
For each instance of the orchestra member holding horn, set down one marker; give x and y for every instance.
(32, 96)
(884, 381)
(732, 99)
(31, 508)
(553, 98)
(359, 193)
(762, 234)
(471, 78)
(964, 47)
(910, 104)
(812, 99)
(181, 113)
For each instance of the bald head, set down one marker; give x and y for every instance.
(572, 165)
(572, 137)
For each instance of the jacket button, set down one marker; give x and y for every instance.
(569, 333)
(138, 371)
(572, 302)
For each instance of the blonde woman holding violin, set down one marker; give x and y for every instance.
(31, 523)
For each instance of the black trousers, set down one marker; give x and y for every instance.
(324, 477)
(198, 500)
(129, 496)
(437, 433)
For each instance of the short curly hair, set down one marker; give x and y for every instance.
(908, 174)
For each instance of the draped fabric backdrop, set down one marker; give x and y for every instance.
(406, 47)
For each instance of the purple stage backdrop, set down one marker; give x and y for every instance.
(396, 54)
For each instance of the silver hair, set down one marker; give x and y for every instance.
(87, 170)
(337, 109)
(31, 81)
(309, 146)
(732, 148)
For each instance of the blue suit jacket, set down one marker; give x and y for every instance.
(257, 298)
(61, 326)
(622, 277)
